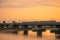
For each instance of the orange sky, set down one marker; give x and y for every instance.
(37, 12)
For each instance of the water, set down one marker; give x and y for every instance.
(31, 36)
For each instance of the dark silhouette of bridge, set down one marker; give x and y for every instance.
(35, 26)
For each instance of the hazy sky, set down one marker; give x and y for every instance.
(29, 10)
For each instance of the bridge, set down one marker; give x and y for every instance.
(35, 26)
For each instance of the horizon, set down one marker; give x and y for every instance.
(29, 21)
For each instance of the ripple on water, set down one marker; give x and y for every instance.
(31, 36)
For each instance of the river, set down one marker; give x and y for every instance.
(31, 36)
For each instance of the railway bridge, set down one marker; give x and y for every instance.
(35, 26)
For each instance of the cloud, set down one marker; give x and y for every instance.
(29, 3)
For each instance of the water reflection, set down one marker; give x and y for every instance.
(31, 36)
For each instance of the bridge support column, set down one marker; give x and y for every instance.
(39, 30)
(57, 32)
(25, 32)
(25, 29)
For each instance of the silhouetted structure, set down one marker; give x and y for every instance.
(25, 26)
(25, 29)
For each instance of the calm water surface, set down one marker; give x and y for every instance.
(31, 36)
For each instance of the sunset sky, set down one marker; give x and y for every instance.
(29, 10)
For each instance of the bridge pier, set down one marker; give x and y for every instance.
(25, 32)
(39, 30)
(25, 29)
(57, 32)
